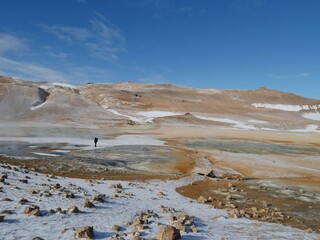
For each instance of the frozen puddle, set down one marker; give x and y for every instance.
(140, 196)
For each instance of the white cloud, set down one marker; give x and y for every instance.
(69, 34)
(301, 75)
(103, 39)
(29, 71)
(72, 74)
(48, 50)
(10, 43)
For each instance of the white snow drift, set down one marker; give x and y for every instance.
(286, 107)
(312, 116)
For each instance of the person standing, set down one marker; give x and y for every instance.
(95, 141)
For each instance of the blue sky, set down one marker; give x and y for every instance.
(224, 44)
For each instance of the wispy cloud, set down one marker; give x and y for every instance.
(29, 71)
(72, 74)
(69, 34)
(10, 43)
(103, 39)
(48, 50)
(300, 75)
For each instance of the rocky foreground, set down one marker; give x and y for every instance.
(37, 206)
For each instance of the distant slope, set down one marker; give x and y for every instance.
(118, 103)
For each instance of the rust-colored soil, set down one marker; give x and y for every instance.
(272, 206)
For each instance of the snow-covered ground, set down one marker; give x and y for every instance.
(38, 106)
(150, 115)
(60, 84)
(132, 118)
(236, 124)
(46, 154)
(139, 196)
(144, 117)
(312, 116)
(286, 107)
(309, 128)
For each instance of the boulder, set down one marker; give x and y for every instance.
(32, 210)
(23, 180)
(118, 185)
(84, 232)
(99, 197)
(180, 226)
(69, 195)
(211, 174)
(4, 176)
(193, 229)
(116, 228)
(6, 212)
(74, 209)
(23, 201)
(88, 204)
(6, 200)
(202, 199)
(140, 227)
(1, 218)
(168, 233)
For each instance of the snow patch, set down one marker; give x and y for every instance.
(236, 124)
(150, 115)
(309, 128)
(60, 151)
(257, 121)
(60, 84)
(144, 117)
(135, 119)
(312, 116)
(37, 106)
(286, 107)
(46, 154)
(45, 87)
